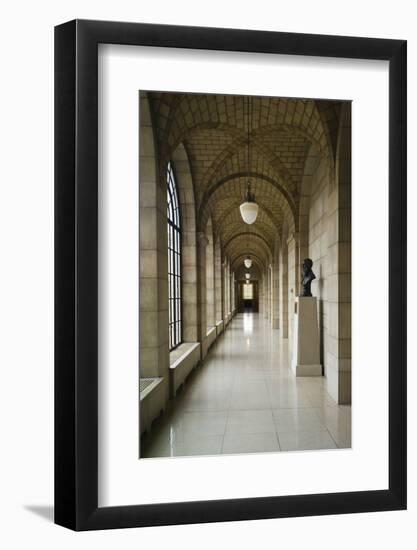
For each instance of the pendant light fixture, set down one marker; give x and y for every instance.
(249, 208)
(248, 262)
(247, 275)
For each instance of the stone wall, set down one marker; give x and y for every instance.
(210, 290)
(329, 246)
(218, 280)
(154, 352)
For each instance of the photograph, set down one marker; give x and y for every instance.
(245, 274)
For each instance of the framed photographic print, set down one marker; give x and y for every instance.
(230, 275)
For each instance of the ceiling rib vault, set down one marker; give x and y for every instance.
(214, 131)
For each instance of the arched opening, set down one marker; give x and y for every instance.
(185, 189)
(174, 261)
(247, 299)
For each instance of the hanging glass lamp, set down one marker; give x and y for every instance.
(249, 208)
(248, 262)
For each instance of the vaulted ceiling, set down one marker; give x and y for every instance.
(215, 130)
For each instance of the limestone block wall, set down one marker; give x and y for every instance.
(329, 246)
(202, 293)
(232, 293)
(218, 281)
(283, 287)
(275, 290)
(267, 313)
(261, 295)
(226, 288)
(154, 359)
(271, 294)
(292, 289)
(223, 285)
(321, 214)
(210, 297)
(343, 185)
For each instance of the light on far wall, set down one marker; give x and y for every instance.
(247, 275)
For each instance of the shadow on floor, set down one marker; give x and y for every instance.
(45, 512)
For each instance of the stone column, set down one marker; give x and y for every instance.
(226, 289)
(261, 294)
(338, 280)
(153, 284)
(233, 300)
(230, 291)
(210, 303)
(201, 286)
(270, 293)
(292, 288)
(283, 284)
(275, 295)
(223, 279)
(266, 293)
(218, 281)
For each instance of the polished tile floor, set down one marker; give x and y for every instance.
(245, 399)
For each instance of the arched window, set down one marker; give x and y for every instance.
(174, 261)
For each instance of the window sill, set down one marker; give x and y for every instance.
(182, 361)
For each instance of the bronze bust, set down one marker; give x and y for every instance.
(307, 277)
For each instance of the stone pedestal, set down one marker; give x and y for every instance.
(306, 348)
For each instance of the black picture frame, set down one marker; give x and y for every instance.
(76, 271)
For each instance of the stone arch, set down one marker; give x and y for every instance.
(187, 112)
(265, 216)
(263, 159)
(235, 226)
(256, 247)
(252, 234)
(286, 203)
(255, 258)
(255, 272)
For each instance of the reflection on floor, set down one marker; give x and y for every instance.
(245, 399)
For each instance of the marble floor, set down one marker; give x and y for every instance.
(245, 399)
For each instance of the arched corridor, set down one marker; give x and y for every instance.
(235, 193)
